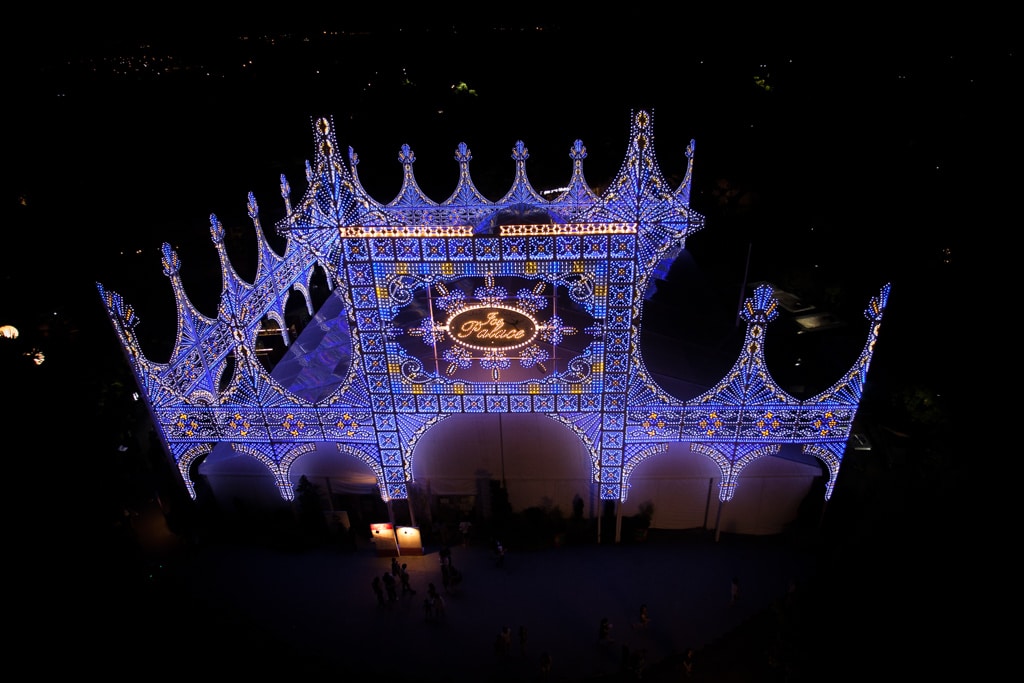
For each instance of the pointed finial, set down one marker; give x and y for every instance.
(406, 156)
(762, 307)
(519, 152)
(216, 229)
(253, 207)
(578, 152)
(170, 260)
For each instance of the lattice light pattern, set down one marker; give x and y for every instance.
(442, 308)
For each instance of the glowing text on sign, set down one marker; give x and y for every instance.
(492, 328)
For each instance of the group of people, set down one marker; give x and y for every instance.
(604, 629)
(386, 586)
(634, 661)
(503, 648)
(396, 583)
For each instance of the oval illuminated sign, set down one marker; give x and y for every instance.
(492, 327)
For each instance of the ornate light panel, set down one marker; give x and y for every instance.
(469, 305)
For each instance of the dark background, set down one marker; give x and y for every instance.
(835, 157)
(839, 153)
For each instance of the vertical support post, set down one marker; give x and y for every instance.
(618, 521)
(501, 447)
(394, 529)
(718, 519)
(707, 503)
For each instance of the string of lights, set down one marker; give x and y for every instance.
(461, 307)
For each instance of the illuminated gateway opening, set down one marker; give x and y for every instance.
(478, 340)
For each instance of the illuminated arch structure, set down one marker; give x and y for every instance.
(521, 305)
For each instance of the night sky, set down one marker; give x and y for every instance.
(836, 160)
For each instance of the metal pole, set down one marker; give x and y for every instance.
(618, 521)
(394, 529)
(707, 503)
(501, 446)
(718, 518)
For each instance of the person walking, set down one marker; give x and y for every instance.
(638, 663)
(643, 620)
(407, 588)
(389, 586)
(604, 632)
(545, 665)
(506, 640)
(688, 662)
(446, 576)
(439, 607)
(734, 591)
(445, 555)
(428, 607)
(378, 590)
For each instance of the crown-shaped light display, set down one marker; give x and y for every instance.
(522, 305)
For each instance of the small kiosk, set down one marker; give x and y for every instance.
(393, 541)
